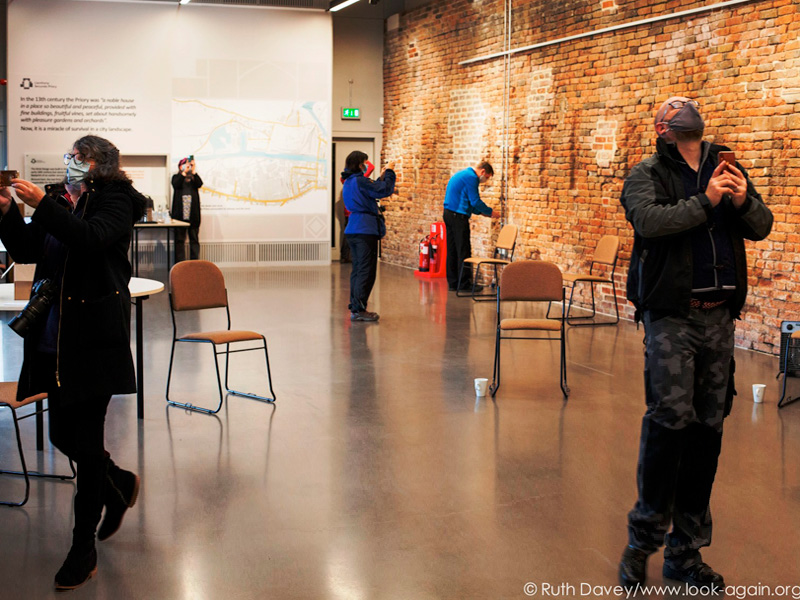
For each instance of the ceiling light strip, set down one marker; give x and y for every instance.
(344, 4)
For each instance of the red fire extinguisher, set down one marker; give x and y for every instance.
(434, 262)
(425, 254)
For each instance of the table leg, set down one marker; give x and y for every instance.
(139, 357)
(170, 255)
(40, 425)
(135, 252)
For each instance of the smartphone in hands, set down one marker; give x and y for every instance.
(728, 157)
(7, 176)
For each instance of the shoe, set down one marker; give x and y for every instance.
(122, 490)
(699, 575)
(78, 568)
(633, 567)
(364, 316)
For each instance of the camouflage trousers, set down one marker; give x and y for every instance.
(687, 383)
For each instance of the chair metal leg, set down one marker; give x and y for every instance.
(460, 274)
(24, 466)
(784, 401)
(563, 368)
(227, 352)
(25, 472)
(189, 405)
(496, 369)
(249, 394)
(473, 291)
(575, 321)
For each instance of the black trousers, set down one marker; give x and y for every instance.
(364, 253)
(194, 244)
(459, 247)
(77, 428)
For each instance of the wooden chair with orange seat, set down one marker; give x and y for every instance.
(606, 254)
(503, 255)
(530, 281)
(200, 285)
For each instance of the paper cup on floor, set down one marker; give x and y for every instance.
(481, 385)
(758, 392)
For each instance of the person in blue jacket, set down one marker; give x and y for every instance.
(461, 200)
(364, 228)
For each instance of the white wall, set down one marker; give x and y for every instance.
(246, 90)
(358, 56)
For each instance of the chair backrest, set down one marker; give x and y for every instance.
(531, 280)
(197, 284)
(507, 238)
(606, 251)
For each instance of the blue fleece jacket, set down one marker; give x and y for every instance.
(360, 195)
(462, 194)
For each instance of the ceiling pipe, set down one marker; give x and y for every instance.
(683, 13)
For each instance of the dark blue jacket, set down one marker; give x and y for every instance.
(360, 196)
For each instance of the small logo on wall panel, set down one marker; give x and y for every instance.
(27, 84)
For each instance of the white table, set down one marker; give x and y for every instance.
(7, 301)
(170, 227)
(141, 289)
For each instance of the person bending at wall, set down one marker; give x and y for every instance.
(365, 227)
(78, 351)
(186, 207)
(462, 200)
(691, 212)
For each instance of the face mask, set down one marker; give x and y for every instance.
(76, 171)
(483, 179)
(364, 168)
(687, 119)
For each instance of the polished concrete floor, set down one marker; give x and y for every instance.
(378, 475)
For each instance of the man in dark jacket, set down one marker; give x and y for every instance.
(690, 212)
(186, 207)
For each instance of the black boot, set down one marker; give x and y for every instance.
(78, 568)
(699, 575)
(121, 492)
(633, 567)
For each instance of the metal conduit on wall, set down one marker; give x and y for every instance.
(676, 15)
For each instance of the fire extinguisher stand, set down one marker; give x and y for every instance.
(437, 259)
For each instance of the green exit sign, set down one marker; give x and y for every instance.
(353, 114)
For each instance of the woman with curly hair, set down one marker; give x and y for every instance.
(78, 351)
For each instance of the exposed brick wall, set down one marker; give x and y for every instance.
(581, 118)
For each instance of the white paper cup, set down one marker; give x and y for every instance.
(481, 385)
(758, 392)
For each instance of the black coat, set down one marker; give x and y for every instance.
(177, 200)
(86, 253)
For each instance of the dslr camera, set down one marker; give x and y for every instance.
(44, 292)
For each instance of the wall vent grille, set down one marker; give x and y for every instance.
(153, 253)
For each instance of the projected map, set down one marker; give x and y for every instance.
(255, 156)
